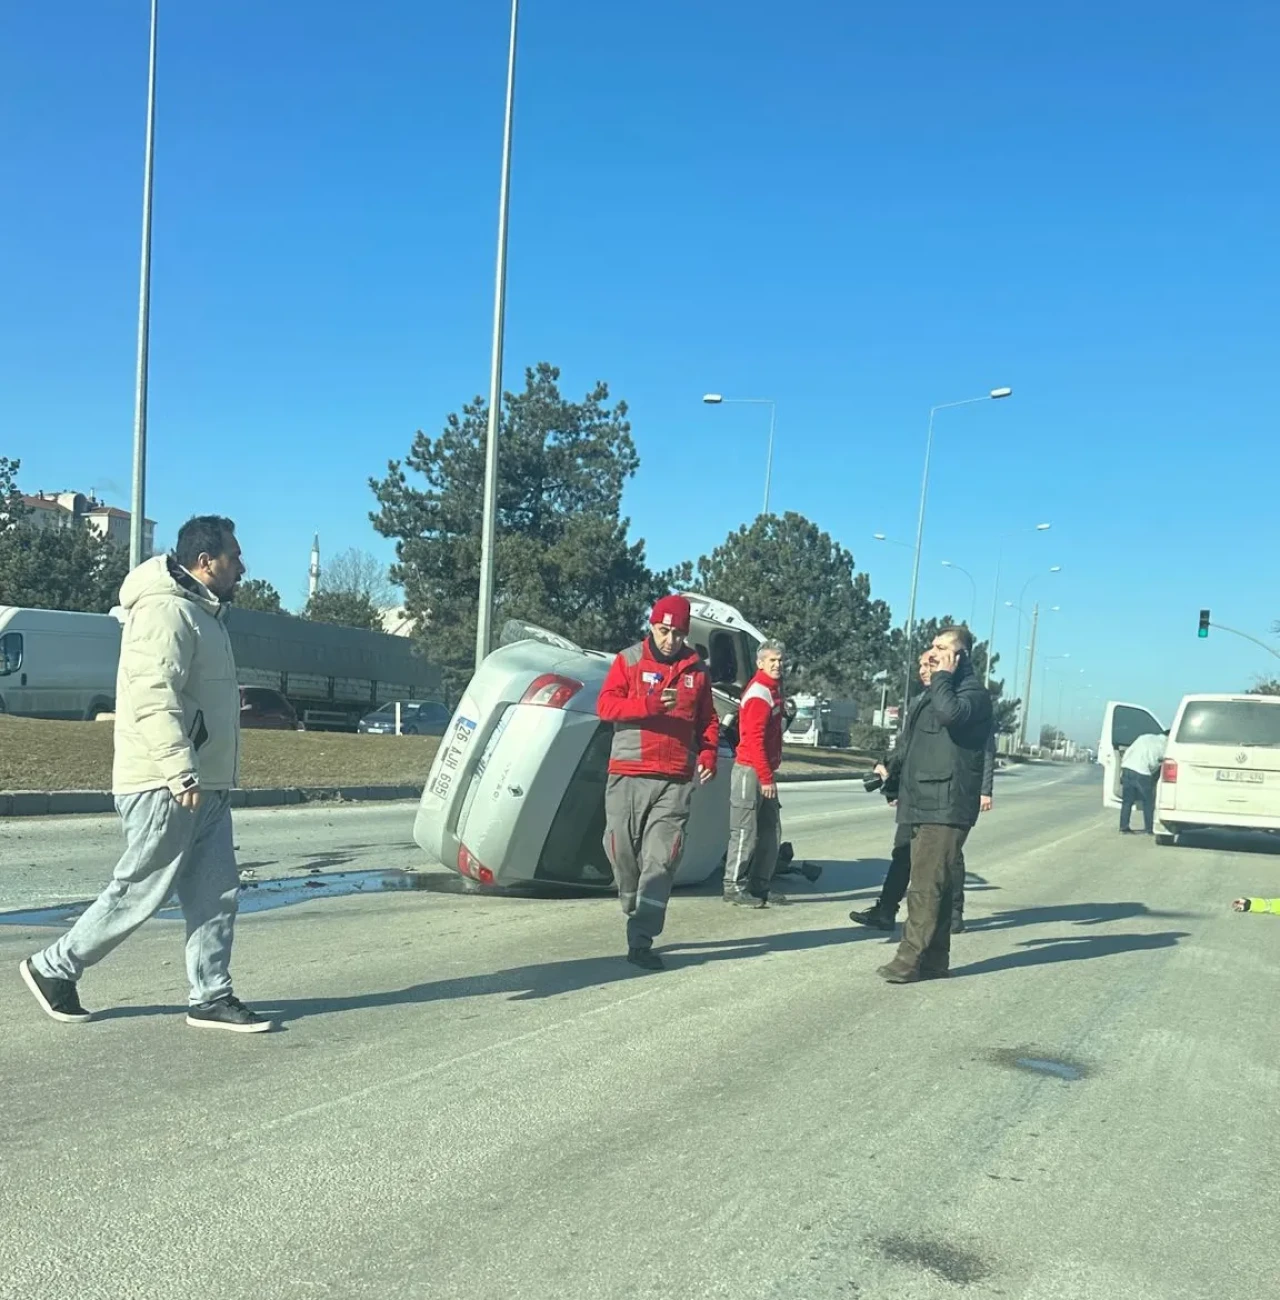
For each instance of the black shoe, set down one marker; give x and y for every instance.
(227, 1013)
(745, 898)
(810, 870)
(58, 998)
(1124, 830)
(645, 958)
(875, 918)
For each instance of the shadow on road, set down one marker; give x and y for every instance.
(1231, 842)
(1072, 914)
(545, 980)
(1047, 952)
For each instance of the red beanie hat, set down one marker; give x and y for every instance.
(671, 611)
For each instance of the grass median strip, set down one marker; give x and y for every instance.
(41, 755)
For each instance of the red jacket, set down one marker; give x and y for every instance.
(647, 741)
(760, 727)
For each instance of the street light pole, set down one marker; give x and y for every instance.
(138, 502)
(488, 522)
(973, 603)
(1031, 661)
(995, 394)
(995, 604)
(718, 399)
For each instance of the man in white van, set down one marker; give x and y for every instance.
(177, 748)
(1138, 771)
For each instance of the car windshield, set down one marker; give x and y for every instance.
(1230, 722)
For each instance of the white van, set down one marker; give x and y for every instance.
(57, 664)
(1221, 767)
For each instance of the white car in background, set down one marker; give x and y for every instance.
(1221, 767)
(515, 795)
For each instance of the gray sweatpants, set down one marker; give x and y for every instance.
(167, 848)
(645, 819)
(755, 833)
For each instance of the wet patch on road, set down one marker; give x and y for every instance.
(267, 895)
(950, 1263)
(1053, 1067)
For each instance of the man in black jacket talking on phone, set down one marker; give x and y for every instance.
(938, 767)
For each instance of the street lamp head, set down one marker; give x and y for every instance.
(946, 564)
(881, 537)
(1055, 568)
(998, 393)
(1043, 528)
(713, 399)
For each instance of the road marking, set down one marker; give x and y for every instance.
(400, 1080)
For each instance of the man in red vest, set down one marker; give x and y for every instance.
(755, 825)
(658, 697)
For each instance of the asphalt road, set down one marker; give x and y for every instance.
(474, 1097)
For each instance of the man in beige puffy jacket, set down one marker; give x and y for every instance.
(177, 750)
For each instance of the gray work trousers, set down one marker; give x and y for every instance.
(755, 833)
(926, 937)
(645, 819)
(167, 848)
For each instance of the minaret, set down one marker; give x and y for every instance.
(313, 574)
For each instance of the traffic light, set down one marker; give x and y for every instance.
(1204, 623)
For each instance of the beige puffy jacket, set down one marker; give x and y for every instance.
(177, 701)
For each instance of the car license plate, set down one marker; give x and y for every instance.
(1244, 778)
(451, 763)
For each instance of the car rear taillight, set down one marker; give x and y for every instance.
(551, 691)
(1169, 771)
(470, 865)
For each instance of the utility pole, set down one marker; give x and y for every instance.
(138, 502)
(1031, 667)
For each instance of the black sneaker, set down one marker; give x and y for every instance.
(58, 998)
(745, 898)
(875, 918)
(645, 958)
(228, 1013)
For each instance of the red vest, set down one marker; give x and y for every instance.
(760, 727)
(647, 741)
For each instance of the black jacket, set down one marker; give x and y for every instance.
(940, 767)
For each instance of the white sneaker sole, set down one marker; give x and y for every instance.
(262, 1027)
(24, 969)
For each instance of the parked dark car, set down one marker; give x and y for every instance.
(260, 706)
(417, 718)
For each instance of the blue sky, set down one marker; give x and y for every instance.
(859, 211)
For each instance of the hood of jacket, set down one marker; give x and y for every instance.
(162, 577)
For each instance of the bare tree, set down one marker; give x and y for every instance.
(357, 573)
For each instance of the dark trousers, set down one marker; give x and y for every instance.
(926, 937)
(899, 876)
(1137, 787)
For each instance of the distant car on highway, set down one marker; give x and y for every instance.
(267, 710)
(417, 718)
(1221, 766)
(516, 792)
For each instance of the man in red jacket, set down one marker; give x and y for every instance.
(755, 825)
(665, 732)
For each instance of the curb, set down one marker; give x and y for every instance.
(71, 803)
(66, 803)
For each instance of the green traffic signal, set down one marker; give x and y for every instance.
(1204, 623)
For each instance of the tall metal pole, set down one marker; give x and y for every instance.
(915, 567)
(484, 607)
(1031, 668)
(768, 465)
(138, 504)
(991, 643)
